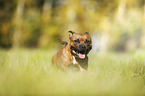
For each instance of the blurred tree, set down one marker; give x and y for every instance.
(7, 9)
(18, 21)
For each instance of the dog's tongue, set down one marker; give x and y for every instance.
(82, 56)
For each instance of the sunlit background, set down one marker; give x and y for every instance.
(116, 25)
(29, 33)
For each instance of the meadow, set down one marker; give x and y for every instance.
(29, 72)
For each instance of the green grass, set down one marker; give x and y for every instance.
(29, 72)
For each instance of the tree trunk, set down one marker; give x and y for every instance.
(18, 21)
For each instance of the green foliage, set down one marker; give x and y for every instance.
(39, 23)
(29, 72)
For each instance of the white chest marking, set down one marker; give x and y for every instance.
(74, 60)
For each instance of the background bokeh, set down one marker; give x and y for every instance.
(114, 25)
(29, 30)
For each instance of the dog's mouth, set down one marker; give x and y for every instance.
(80, 54)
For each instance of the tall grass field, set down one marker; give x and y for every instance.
(30, 72)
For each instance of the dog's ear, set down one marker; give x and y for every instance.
(86, 33)
(63, 42)
(71, 33)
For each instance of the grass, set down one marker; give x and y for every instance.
(29, 72)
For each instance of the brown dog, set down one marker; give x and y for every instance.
(74, 53)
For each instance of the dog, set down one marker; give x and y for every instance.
(74, 53)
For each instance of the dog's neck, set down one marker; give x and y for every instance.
(72, 56)
(68, 47)
(69, 52)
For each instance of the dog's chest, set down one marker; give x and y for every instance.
(74, 60)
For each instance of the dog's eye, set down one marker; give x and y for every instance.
(87, 41)
(77, 41)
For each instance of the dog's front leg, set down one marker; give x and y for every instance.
(76, 63)
(81, 69)
(64, 67)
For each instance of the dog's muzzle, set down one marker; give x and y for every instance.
(83, 47)
(81, 51)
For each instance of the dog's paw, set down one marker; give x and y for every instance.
(82, 70)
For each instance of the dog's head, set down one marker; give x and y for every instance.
(80, 44)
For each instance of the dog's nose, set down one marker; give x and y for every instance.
(83, 47)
